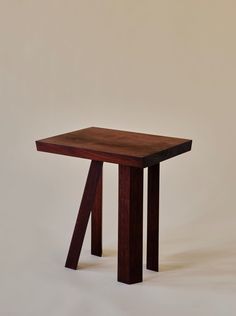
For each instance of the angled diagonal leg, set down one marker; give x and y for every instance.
(86, 206)
(153, 218)
(96, 222)
(130, 227)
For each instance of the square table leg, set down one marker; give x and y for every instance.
(153, 218)
(86, 207)
(96, 222)
(130, 225)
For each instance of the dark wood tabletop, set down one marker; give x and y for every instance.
(115, 146)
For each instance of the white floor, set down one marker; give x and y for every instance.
(191, 282)
(197, 260)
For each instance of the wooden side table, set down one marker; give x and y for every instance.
(132, 152)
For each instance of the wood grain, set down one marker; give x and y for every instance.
(86, 206)
(130, 226)
(120, 147)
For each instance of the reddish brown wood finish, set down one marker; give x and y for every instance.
(153, 218)
(96, 222)
(120, 147)
(86, 207)
(133, 152)
(130, 226)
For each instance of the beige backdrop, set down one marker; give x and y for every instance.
(162, 67)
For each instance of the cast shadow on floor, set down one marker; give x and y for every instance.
(198, 263)
(102, 262)
(199, 260)
(191, 258)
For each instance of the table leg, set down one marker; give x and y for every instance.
(130, 225)
(96, 222)
(86, 206)
(153, 218)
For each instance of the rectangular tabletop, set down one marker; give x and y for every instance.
(115, 146)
